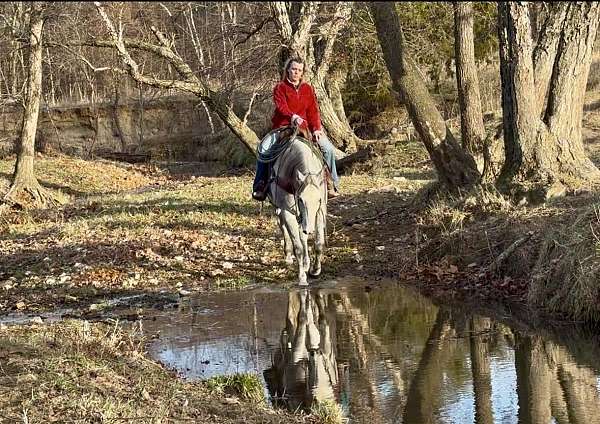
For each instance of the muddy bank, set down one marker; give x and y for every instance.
(175, 128)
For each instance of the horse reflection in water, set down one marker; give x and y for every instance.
(305, 368)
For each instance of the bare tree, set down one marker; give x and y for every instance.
(12, 64)
(454, 166)
(25, 188)
(545, 157)
(190, 82)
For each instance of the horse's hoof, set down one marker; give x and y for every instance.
(289, 260)
(303, 283)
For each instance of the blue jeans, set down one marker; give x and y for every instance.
(262, 169)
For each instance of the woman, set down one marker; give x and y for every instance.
(296, 104)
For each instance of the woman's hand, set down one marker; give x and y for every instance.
(296, 120)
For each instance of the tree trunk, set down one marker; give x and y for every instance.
(25, 189)
(424, 391)
(471, 118)
(545, 51)
(338, 130)
(480, 367)
(545, 157)
(533, 378)
(335, 83)
(454, 166)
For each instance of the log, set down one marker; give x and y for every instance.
(126, 157)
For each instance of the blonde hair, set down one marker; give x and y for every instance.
(288, 63)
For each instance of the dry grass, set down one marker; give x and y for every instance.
(559, 263)
(567, 273)
(81, 372)
(70, 177)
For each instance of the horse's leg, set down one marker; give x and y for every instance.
(315, 270)
(305, 253)
(294, 232)
(288, 247)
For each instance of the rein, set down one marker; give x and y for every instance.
(308, 181)
(278, 148)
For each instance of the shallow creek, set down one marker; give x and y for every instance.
(385, 354)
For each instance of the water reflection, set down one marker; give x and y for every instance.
(305, 366)
(386, 356)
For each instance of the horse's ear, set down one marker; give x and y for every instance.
(301, 176)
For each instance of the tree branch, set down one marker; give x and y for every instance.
(307, 17)
(253, 32)
(340, 19)
(282, 20)
(191, 82)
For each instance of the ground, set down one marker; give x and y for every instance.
(142, 230)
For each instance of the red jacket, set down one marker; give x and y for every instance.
(302, 102)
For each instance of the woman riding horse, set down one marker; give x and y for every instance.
(296, 104)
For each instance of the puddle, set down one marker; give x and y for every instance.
(18, 318)
(386, 355)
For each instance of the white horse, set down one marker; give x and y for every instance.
(299, 193)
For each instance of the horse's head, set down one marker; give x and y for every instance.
(309, 197)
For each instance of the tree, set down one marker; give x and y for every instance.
(190, 82)
(471, 118)
(455, 167)
(25, 188)
(543, 143)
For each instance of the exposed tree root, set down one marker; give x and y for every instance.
(27, 196)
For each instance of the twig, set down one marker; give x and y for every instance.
(249, 107)
(509, 251)
(254, 31)
(369, 218)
